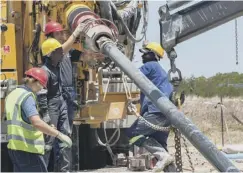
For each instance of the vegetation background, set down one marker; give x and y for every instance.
(202, 107)
(222, 84)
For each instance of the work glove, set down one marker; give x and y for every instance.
(132, 108)
(65, 139)
(78, 30)
(175, 100)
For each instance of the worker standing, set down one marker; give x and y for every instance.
(56, 31)
(52, 104)
(142, 135)
(25, 126)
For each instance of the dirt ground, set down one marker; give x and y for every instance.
(200, 164)
(207, 117)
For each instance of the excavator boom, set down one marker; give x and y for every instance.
(180, 21)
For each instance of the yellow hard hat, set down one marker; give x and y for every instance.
(154, 47)
(49, 46)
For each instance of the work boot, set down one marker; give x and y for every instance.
(157, 150)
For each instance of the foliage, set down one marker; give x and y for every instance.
(222, 84)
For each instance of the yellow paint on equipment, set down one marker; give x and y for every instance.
(104, 111)
(3, 7)
(8, 48)
(16, 41)
(9, 75)
(71, 8)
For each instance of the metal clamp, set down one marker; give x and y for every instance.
(175, 80)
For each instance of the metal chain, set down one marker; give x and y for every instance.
(132, 108)
(178, 158)
(177, 138)
(236, 42)
(176, 82)
(153, 126)
(188, 154)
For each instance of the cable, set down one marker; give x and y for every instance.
(108, 143)
(128, 33)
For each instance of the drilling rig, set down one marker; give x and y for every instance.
(103, 87)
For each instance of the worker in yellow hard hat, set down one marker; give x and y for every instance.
(140, 133)
(53, 108)
(52, 50)
(54, 30)
(152, 52)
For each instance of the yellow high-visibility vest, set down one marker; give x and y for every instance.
(21, 135)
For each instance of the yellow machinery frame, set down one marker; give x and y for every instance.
(18, 17)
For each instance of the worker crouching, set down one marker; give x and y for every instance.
(25, 126)
(140, 133)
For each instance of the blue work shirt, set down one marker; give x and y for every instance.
(28, 106)
(157, 75)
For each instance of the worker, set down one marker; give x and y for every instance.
(52, 104)
(26, 127)
(56, 31)
(139, 133)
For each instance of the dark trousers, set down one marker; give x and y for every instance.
(59, 118)
(27, 162)
(139, 127)
(69, 95)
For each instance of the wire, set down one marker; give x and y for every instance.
(128, 33)
(108, 143)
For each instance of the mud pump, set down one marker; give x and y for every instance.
(113, 39)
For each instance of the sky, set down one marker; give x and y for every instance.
(204, 55)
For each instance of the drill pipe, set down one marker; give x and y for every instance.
(177, 118)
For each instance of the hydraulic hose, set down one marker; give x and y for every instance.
(108, 143)
(129, 34)
(105, 10)
(177, 118)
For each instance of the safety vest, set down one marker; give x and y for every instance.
(21, 135)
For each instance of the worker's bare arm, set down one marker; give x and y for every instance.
(42, 126)
(68, 44)
(48, 130)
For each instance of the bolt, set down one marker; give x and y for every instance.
(4, 28)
